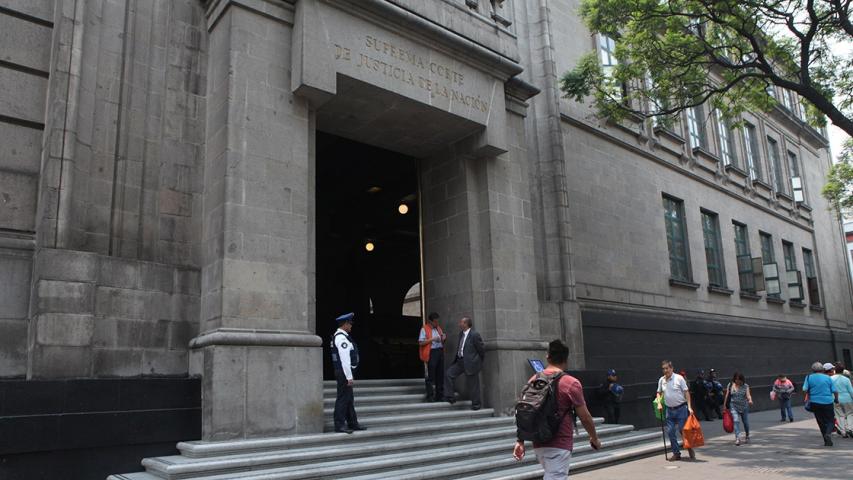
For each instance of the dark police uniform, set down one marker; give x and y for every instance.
(345, 361)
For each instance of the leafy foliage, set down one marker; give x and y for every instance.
(839, 185)
(676, 54)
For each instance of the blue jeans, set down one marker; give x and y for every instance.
(743, 417)
(675, 419)
(785, 407)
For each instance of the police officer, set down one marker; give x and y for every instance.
(345, 360)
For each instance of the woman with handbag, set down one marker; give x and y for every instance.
(821, 394)
(739, 397)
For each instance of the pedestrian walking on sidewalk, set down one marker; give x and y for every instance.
(676, 395)
(820, 396)
(740, 396)
(610, 395)
(431, 342)
(782, 390)
(701, 398)
(844, 407)
(345, 360)
(555, 455)
(715, 393)
(470, 354)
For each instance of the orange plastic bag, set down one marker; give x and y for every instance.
(692, 433)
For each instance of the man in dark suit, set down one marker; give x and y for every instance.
(470, 352)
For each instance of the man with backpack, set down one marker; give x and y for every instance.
(544, 415)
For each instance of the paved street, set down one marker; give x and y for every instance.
(775, 451)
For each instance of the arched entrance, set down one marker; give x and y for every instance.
(368, 253)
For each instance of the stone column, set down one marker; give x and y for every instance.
(479, 258)
(261, 364)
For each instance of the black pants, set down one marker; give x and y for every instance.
(611, 412)
(824, 414)
(705, 409)
(456, 369)
(344, 403)
(435, 375)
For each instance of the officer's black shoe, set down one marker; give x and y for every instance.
(450, 400)
(358, 428)
(476, 407)
(343, 430)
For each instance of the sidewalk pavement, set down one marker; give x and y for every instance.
(775, 451)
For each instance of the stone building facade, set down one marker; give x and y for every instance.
(158, 214)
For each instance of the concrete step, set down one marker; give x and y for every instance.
(363, 391)
(493, 464)
(213, 449)
(580, 462)
(447, 415)
(443, 461)
(391, 382)
(413, 409)
(380, 399)
(176, 467)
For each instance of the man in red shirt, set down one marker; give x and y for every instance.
(555, 455)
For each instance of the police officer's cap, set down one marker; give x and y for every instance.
(347, 317)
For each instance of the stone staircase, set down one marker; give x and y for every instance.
(405, 439)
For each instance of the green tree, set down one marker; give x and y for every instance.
(839, 182)
(676, 54)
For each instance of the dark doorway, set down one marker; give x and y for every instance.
(361, 192)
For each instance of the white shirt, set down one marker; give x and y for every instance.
(462, 343)
(673, 390)
(344, 347)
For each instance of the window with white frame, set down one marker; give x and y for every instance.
(727, 146)
(750, 145)
(607, 54)
(776, 162)
(696, 127)
(796, 179)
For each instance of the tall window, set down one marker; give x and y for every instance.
(607, 53)
(788, 252)
(727, 147)
(770, 268)
(776, 161)
(796, 179)
(786, 99)
(792, 275)
(811, 277)
(696, 127)
(676, 239)
(744, 258)
(713, 249)
(750, 142)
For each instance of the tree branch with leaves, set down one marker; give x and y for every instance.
(677, 54)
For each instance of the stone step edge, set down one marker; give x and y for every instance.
(580, 463)
(426, 417)
(405, 407)
(379, 382)
(167, 467)
(347, 467)
(491, 462)
(370, 399)
(199, 449)
(171, 467)
(368, 391)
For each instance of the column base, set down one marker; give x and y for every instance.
(260, 383)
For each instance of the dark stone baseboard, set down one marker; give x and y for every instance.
(90, 428)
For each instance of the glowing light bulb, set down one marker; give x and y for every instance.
(403, 209)
(369, 246)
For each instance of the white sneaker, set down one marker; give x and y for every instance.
(737, 442)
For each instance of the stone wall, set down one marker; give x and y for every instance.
(26, 28)
(100, 316)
